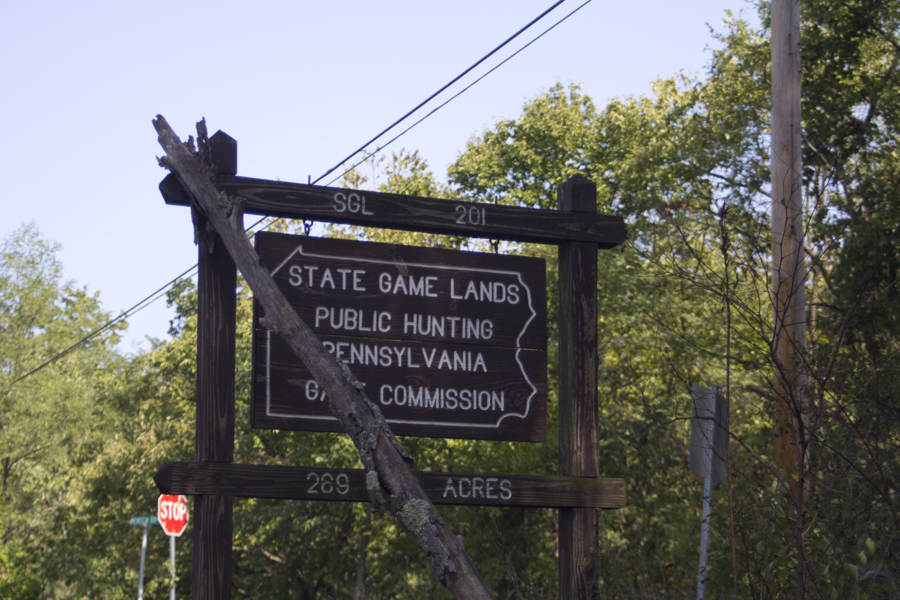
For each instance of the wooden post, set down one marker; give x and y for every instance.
(216, 300)
(578, 436)
(788, 273)
(788, 267)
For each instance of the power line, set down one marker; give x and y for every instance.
(432, 96)
(429, 98)
(148, 300)
(459, 93)
(156, 295)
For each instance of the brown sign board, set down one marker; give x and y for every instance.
(448, 344)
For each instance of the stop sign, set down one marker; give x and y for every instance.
(172, 512)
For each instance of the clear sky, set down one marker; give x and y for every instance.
(299, 84)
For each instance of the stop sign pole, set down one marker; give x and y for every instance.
(172, 512)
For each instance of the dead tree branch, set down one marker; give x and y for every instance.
(388, 477)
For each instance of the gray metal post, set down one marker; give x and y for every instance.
(143, 557)
(172, 561)
(707, 494)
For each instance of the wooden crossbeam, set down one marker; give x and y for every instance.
(348, 485)
(411, 213)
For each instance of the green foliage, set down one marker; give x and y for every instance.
(50, 420)
(687, 300)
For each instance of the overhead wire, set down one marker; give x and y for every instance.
(451, 82)
(148, 300)
(462, 91)
(156, 295)
(432, 96)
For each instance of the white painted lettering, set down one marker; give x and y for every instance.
(453, 291)
(416, 396)
(397, 395)
(357, 284)
(467, 493)
(489, 487)
(416, 288)
(465, 399)
(429, 286)
(471, 290)
(400, 284)
(344, 273)
(296, 272)
(385, 354)
(453, 321)
(381, 395)
(477, 487)
(428, 357)
(371, 355)
(327, 278)
(425, 397)
(351, 320)
(409, 324)
(312, 391)
(449, 488)
(340, 351)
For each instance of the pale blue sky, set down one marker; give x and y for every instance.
(298, 84)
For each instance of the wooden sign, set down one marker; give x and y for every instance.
(364, 337)
(348, 485)
(449, 344)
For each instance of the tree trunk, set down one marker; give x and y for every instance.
(388, 477)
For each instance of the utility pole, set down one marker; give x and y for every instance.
(788, 265)
(788, 272)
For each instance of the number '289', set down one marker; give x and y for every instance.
(328, 483)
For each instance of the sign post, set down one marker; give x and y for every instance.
(143, 522)
(709, 438)
(172, 511)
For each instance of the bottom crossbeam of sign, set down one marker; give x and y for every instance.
(348, 485)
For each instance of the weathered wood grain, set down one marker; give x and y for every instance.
(578, 431)
(348, 485)
(212, 531)
(412, 213)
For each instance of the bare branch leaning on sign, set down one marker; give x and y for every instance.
(388, 476)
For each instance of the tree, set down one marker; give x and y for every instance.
(688, 300)
(52, 414)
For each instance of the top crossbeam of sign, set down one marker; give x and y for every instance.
(411, 213)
